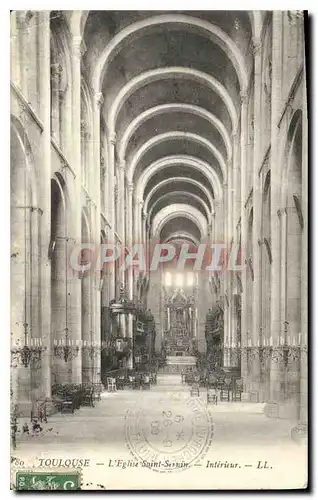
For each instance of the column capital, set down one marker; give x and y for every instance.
(122, 165)
(84, 128)
(56, 69)
(243, 96)
(112, 138)
(225, 184)
(281, 212)
(130, 187)
(77, 48)
(257, 45)
(144, 215)
(234, 132)
(217, 203)
(99, 98)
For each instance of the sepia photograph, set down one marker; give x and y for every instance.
(159, 250)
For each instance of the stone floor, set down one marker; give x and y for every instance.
(239, 433)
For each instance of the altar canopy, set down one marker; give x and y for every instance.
(180, 323)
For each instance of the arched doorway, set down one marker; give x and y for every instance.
(25, 269)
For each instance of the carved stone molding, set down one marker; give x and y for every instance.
(257, 45)
(78, 47)
(243, 97)
(122, 165)
(99, 99)
(56, 75)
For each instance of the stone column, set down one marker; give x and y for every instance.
(97, 103)
(74, 299)
(224, 280)
(254, 377)
(217, 222)
(24, 53)
(144, 234)
(20, 299)
(15, 35)
(155, 297)
(86, 314)
(56, 70)
(112, 217)
(120, 228)
(45, 203)
(304, 271)
(202, 306)
(275, 196)
(35, 312)
(140, 221)
(130, 188)
(244, 166)
(229, 323)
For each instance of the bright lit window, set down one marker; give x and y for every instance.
(168, 279)
(179, 280)
(190, 279)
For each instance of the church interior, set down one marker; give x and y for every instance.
(159, 127)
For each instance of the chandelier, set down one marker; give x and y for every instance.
(65, 348)
(283, 350)
(29, 352)
(91, 347)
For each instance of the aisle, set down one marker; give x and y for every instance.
(239, 433)
(104, 424)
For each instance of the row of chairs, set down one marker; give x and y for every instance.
(219, 387)
(69, 397)
(131, 381)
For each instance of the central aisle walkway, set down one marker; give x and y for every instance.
(240, 430)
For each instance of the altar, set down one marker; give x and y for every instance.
(180, 324)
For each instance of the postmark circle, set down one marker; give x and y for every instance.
(173, 436)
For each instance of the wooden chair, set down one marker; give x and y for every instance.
(220, 381)
(145, 381)
(211, 397)
(138, 381)
(195, 390)
(111, 384)
(98, 389)
(88, 397)
(69, 403)
(238, 389)
(120, 382)
(131, 381)
(40, 412)
(226, 389)
(212, 381)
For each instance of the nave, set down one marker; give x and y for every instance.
(241, 435)
(173, 128)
